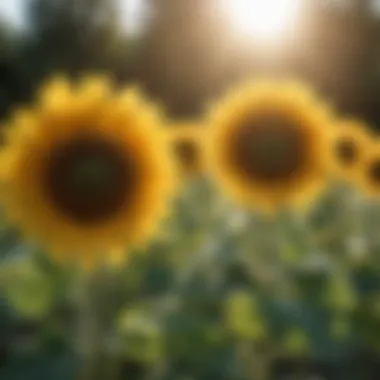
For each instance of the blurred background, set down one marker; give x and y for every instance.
(225, 295)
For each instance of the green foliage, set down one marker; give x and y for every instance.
(243, 317)
(27, 290)
(296, 342)
(142, 335)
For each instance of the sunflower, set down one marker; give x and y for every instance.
(351, 143)
(268, 144)
(370, 173)
(185, 140)
(89, 170)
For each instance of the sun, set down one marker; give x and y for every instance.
(266, 20)
(133, 16)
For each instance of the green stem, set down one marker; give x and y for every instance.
(95, 329)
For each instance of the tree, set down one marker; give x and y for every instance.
(184, 61)
(13, 82)
(73, 36)
(336, 51)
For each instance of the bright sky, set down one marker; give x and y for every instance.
(133, 13)
(13, 11)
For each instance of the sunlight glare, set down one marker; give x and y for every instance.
(264, 19)
(134, 14)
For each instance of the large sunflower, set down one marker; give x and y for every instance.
(268, 144)
(185, 139)
(89, 170)
(351, 144)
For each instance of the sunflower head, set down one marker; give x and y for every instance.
(370, 173)
(89, 170)
(268, 144)
(351, 144)
(185, 139)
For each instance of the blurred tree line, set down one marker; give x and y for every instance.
(185, 57)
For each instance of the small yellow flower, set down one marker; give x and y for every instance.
(268, 144)
(370, 179)
(352, 142)
(88, 170)
(185, 139)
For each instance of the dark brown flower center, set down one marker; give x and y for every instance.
(347, 151)
(89, 179)
(374, 171)
(187, 152)
(268, 148)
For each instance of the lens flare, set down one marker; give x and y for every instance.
(266, 20)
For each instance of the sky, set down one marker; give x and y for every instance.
(13, 11)
(132, 11)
